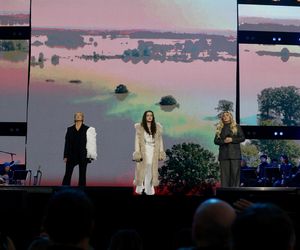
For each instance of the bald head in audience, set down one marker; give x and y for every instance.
(212, 223)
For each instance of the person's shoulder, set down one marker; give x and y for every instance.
(71, 127)
(137, 125)
(85, 126)
(239, 126)
(159, 125)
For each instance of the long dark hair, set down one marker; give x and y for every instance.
(153, 124)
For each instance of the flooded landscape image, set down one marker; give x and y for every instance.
(178, 69)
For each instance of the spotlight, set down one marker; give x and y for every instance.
(275, 133)
(279, 39)
(281, 133)
(274, 39)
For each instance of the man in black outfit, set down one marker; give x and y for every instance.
(77, 151)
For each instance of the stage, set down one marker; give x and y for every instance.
(22, 209)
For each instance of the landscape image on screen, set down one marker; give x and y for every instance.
(14, 80)
(269, 18)
(170, 57)
(269, 85)
(14, 13)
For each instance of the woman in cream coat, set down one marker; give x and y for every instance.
(148, 151)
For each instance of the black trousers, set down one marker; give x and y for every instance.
(69, 171)
(230, 173)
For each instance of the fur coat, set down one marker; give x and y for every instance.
(91, 146)
(139, 154)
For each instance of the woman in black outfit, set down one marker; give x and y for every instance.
(228, 136)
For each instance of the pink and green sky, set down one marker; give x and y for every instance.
(14, 6)
(166, 15)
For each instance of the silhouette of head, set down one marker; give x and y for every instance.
(69, 217)
(269, 225)
(212, 222)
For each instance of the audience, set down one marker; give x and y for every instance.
(211, 225)
(69, 220)
(6, 243)
(263, 226)
(126, 240)
(40, 243)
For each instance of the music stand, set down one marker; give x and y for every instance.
(272, 173)
(249, 173)
(19, 176)
(248, 177)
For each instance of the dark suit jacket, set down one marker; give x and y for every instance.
(75, 144)
(229, 151)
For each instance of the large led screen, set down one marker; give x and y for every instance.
(269, 18)
(174, 57)
(269, 85)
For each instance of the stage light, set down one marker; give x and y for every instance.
(275, 133)
(274, 39)
(279, 39)
(281, 133)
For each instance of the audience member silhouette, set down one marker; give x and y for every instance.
(127, 239)
(40, 243)
(6, 242)
(69, 220)
(211, 225)
(183, 238)
(263, 226)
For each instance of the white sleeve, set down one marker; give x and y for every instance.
(91, 143)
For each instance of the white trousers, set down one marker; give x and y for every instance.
(147, 185)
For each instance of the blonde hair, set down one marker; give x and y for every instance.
(220, 125)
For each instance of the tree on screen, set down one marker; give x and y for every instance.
(279, 106)
(250, 153)
(188, 165)
(224, 105)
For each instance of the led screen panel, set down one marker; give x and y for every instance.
(156, 49)
(14, 13)
(269, 18)
(269, 84)
(14, 80)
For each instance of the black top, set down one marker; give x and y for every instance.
(75, 144)
(229, 151)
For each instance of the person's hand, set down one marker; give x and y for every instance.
(65, 160)
(228, 140)
(241, 204)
